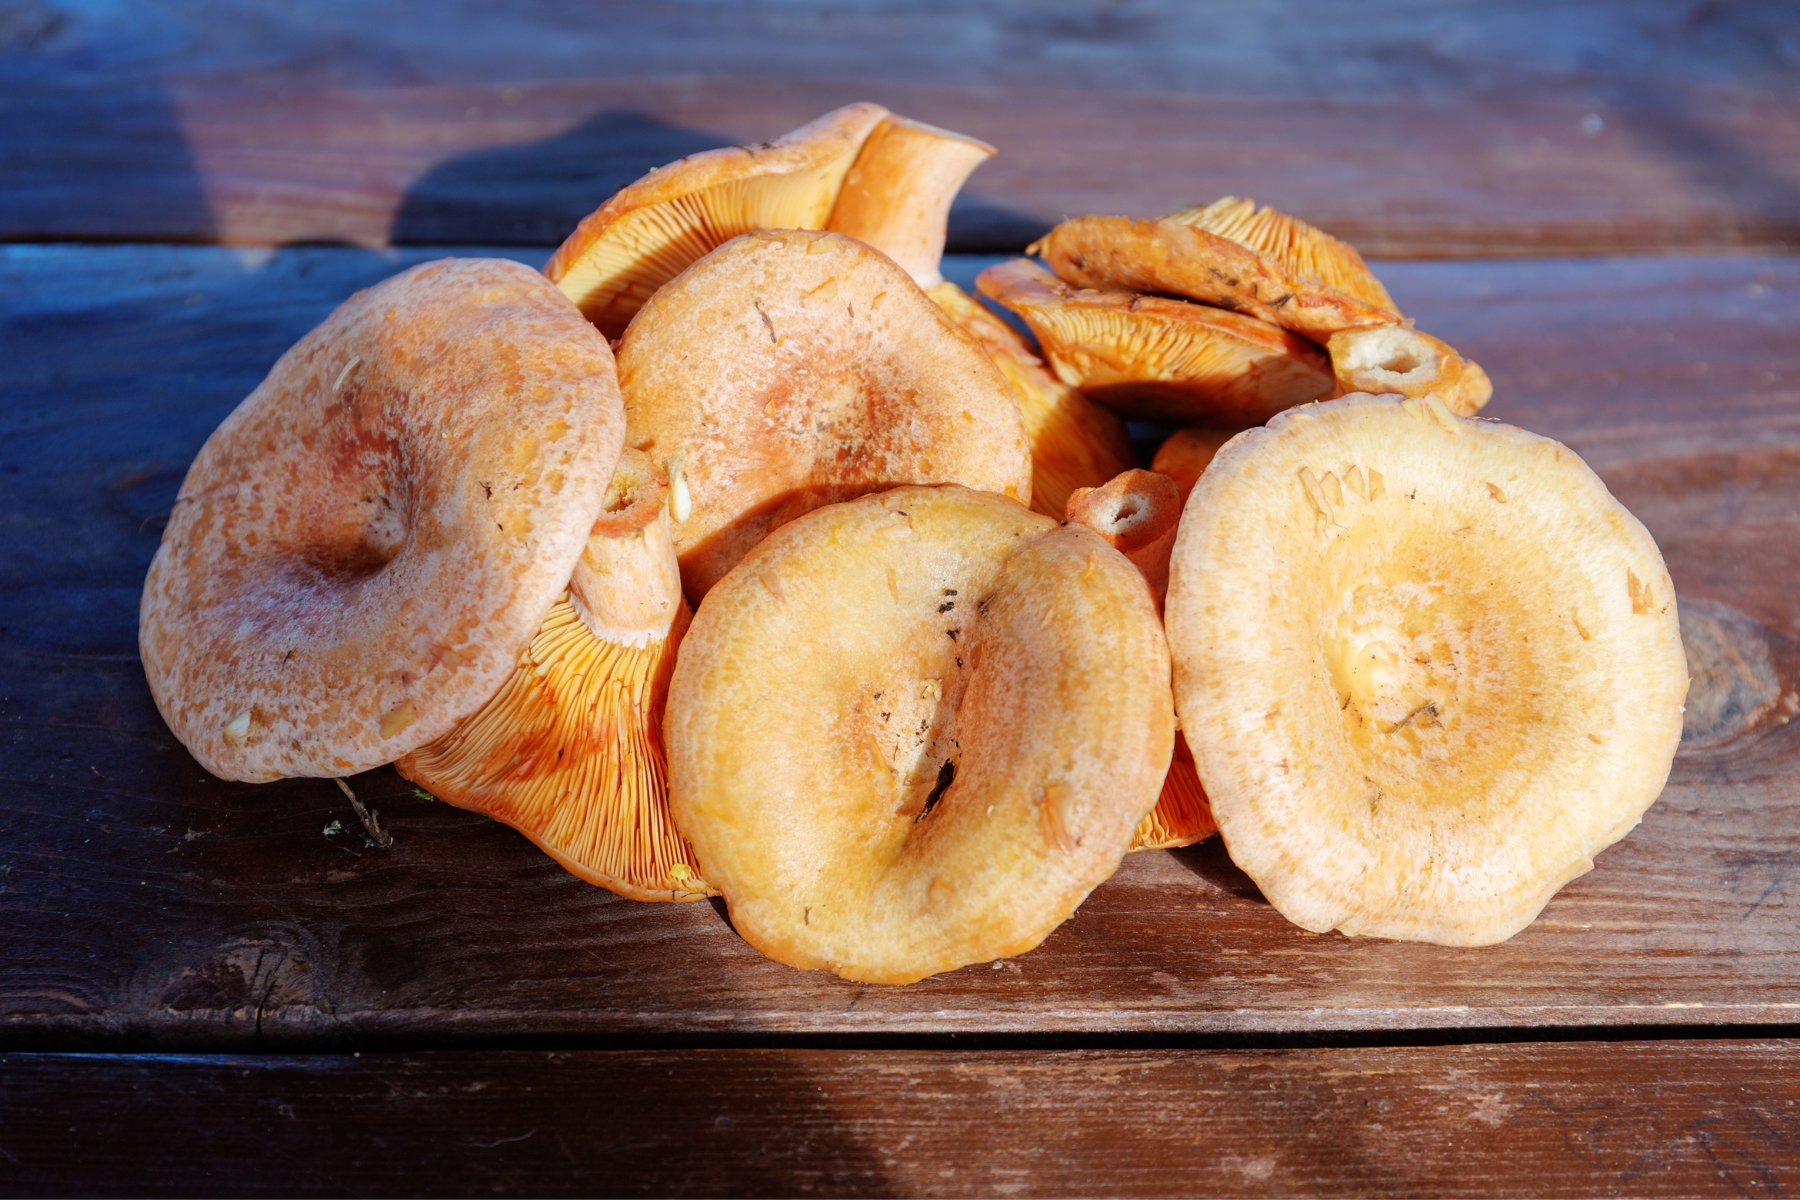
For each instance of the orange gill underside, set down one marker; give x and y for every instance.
(570, 753)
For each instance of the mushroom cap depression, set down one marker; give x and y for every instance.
(362, 548)
(914, 730)
(789, 370)
(649, 232)
(1428, 667)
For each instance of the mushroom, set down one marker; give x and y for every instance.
(897, 196)
(1186, 454)
(788, 370)
(1271, 266)
(1137, 514)
(1156, 359)
(1075, 443)
(1427, 666)
(1171, 257)
(650, 231)
(914, 730)
(360, 551)
(570, 751)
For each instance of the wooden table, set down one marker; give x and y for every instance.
(202, 992)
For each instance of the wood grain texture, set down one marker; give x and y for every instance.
(1409, 128)
(1576, 1119)
(143, 904)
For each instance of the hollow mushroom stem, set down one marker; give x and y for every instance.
(1138, 513)
(570, 750)
(897, 196)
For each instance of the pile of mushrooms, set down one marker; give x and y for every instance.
(739, 553)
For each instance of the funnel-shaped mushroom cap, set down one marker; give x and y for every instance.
(1307, 255)
(363, 547)
(1428, 667)
(1405, 362)
(649, 232)
(790, 370)
(1074, 442)
(1137, 514)
(1167, 257)
(1186, 454)
(913, 731)
(897, 197)
(570, 751)
(1163, 360)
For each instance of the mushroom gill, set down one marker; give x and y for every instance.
(570, 750)
(1307, 255)
(1137, 514)
(651, 230)
(1167, 257)
(1156, 359)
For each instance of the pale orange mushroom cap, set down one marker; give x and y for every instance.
(788, 370)
(916, 729)
(363, 547)
(1427, 666)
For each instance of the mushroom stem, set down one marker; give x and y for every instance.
(1074, 442)
(627, 587)
(1138, 513)
(570, 751)
(897, 196)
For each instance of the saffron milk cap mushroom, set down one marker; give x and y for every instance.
(1171, 257)
(1427, 666)
(914, 730)
(360, 550)
(570, 750)
(788, 370)
(1156, 359)
(650, 232)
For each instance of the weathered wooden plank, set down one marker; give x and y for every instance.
(1412, 129)
(1573, 1119)
(144, 904)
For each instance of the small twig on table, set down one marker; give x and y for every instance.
(371, 820)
